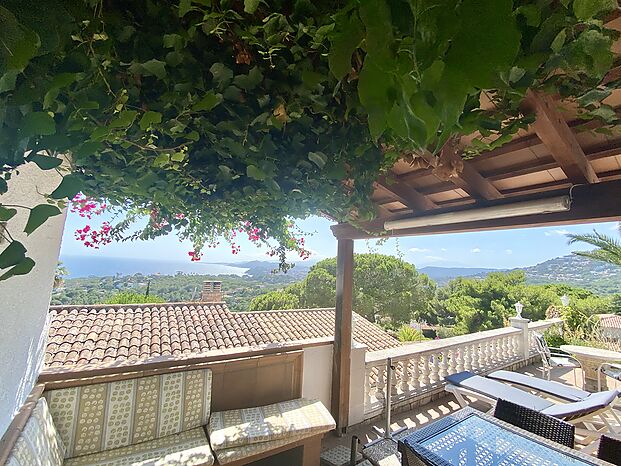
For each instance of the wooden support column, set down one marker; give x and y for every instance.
(341, 366)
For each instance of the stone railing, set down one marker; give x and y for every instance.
(419, 369)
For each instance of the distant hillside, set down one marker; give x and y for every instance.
(598, 277)
(442, 275)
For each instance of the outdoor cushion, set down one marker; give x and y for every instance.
(229, 455)
(497, 390)
(557, 389)
(39, 443)
(577, 409)
(239, 427)
(561, 361)
(104, 416)
(187, 448)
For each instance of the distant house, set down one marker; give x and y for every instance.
(106, 333)
(610, 325)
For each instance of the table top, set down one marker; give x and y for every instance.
(472, 438)
(592, 353)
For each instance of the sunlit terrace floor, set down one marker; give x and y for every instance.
(418, 417)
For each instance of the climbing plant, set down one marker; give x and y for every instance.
(217, 116)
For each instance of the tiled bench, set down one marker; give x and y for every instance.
(161, 420)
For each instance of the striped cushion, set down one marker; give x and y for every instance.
(39, 443)
(229, 455)
(295, 418)
(104, 416)
(189, 448)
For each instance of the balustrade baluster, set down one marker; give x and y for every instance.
(444, 364)
(404, 385)
(467, 360)
(453, 361)
(474, 354)
(426, 372)
(367, 387)
(416, 372)
(436, 367)
(381, 383)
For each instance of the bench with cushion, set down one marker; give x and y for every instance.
(160, 420)
(242, 435)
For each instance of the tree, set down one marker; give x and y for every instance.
(408, 334)
(130, 297)
(212, 117)
(472, 305)
(274, 300)
(383, 285)
(608, 248)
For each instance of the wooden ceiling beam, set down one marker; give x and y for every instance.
(591, 203)
(559, 139)
(407, 195)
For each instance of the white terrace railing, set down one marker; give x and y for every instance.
(420, 368)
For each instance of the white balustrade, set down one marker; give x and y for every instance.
(422, 367)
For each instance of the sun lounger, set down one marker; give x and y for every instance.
(591, 411)
(555, 389)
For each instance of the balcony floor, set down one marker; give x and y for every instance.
(437, 409)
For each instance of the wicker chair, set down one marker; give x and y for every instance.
(535, 422)
(609, 450)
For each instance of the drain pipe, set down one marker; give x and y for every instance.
(354, 451)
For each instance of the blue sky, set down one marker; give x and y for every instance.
(498, 249)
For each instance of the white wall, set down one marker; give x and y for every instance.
(356, 384)
(24, 300)
(317, 382)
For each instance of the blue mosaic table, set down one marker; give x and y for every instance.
(471, 438)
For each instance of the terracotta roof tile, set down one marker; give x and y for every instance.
(102, 333)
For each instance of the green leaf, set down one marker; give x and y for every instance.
(559, 41)
(37, 123)
(184, 7)
(24, 49)
(178, 157)
(126, 118)
(45, 162)
(250, 6)
(318, 158)
(249, 81)
(374, 90)
(255, 173)
(13, 254)
(208, 102)
(38, 215)
(343, 43)
(532, 14)
(6, 213)
(498, 42)
(587, 9)
(155, 68)
(606, 113)
(68, 187)
(221, 75)
(150, 118)
(24, 267)
(7, 81)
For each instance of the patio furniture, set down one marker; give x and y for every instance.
(535, 422)
(609, 450)
(548, 387)
(160, 420)
(608, 370)
(554, 357)
(241, 436)
(590, 411)
(469, 437)
(591, 359)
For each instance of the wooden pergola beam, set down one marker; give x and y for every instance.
(559, 139)
(592, 203)
(341, 367)
(407, 195)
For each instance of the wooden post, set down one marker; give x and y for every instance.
(341, 367)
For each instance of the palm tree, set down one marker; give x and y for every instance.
(608, 248)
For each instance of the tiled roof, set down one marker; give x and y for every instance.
(104, 333)
(610, 320)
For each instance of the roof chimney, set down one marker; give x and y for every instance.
(212, 292)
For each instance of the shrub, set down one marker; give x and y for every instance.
(131, 297)
(408, 334)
